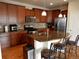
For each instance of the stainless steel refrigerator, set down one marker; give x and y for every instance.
(60, 24)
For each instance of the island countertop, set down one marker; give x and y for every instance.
(41, 37)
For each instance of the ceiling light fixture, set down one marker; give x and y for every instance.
(65, 0)
(51, 4)
(44, 13)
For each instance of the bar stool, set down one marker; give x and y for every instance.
(58, 47)
(47, 54)
(73, 44)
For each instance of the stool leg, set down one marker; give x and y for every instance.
(76, 50)
(65, 53)
(59, 54)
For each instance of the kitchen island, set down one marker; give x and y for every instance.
(43, 41)
(48, 36)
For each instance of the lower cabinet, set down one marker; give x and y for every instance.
(4, 40)
(17, 38)
(14, 52)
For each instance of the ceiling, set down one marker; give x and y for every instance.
(44, 3)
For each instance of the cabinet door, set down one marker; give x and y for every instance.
(55, 14)
(21, 15)
(12, 14)
(32, 12)
(43, 18)
(49, 16)
(37, 14)
(28, 12)
(4, 40)
(13, 38)
(3, 13)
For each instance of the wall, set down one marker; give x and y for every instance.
(73, 18)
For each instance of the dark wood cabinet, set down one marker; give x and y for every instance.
(55, 14)
(17, 38)
(21, 14)
(4, 40)
(43, 18)
(49, 16)
(64, 12)
(37, 14)
(3, 13)
(30, 12)
(12, 14)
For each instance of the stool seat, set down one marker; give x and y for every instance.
(71, 43)
(59, 46)
(47, 54)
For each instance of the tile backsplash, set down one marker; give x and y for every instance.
(36, 25)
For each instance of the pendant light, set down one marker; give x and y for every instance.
(44, 12)
(60, 15)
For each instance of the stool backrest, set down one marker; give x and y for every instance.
(76, 40)
(66, 40)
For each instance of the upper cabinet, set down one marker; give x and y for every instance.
(12, 14)
(29, 12)
(49, 16)
(43, 18)
(3, 13)
(39, 17)
(55, 14)
(37, 14)
(64, 12)
(21, 14)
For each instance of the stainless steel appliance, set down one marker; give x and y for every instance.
(60, 24)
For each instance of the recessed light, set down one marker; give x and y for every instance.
(65, 0)
(51, 3)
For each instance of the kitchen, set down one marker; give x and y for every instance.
(15, 14)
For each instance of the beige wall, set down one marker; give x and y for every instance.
(73, 17)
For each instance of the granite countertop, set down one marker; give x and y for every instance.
(50, 36)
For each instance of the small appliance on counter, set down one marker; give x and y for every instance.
(6, 28)
(1, 29)
(13, 27)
